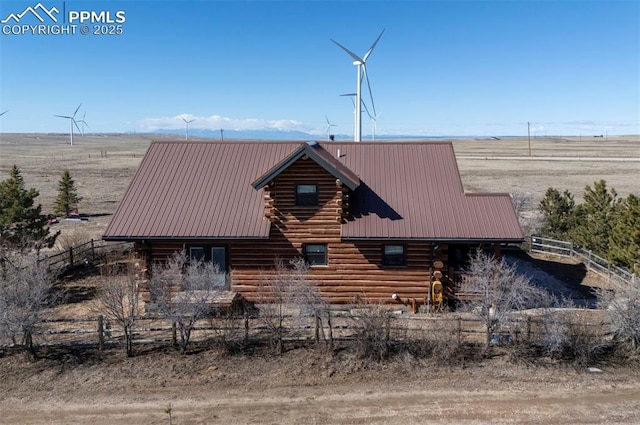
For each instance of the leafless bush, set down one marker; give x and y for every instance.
(622, 306)
(442, 344)
(183, 291)
(119, 300)
(288, 297)
(372, 323)
(573, 335)
(26, 291)
(231, 332)
(500, 292)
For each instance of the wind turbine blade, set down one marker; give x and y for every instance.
(77, 109)
(366, 75)
(74, 121)
(366, 55)
(182, 118)
(366, 110)
(4, 112)
(349, 52)
(64, 116)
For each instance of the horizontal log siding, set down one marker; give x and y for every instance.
(354, 269)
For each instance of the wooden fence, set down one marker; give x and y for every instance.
(99, 331)
(90, 251)
(592, 261)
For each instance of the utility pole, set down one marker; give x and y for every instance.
(529, 136)
(222, 135)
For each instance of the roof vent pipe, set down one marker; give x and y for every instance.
(338, 153)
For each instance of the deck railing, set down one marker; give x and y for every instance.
(592, 261)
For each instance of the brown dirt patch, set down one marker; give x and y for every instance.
(305, 386)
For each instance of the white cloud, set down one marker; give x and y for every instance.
(216, 122)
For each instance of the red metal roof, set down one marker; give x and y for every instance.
(189, 190)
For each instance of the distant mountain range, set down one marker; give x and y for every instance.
(278, 135)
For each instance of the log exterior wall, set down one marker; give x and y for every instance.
(354, 269)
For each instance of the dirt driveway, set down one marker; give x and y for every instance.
(308, 387)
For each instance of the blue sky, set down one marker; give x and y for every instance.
(441, 68)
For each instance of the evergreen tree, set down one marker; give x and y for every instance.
(596, 217)
(22, 224)
(67, 199)
(624, 239)
(558, 214)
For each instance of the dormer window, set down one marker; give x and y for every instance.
(307, 195)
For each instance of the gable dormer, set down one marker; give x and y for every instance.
(298, 184)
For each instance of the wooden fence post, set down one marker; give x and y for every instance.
(70, 256)
(174, 336)
(100, 334)
(246, 330)
(93, 251)
(528, 329)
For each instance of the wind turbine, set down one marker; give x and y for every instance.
(83, 122)
(72, 121)
(360, 63)
(329, 125)
(373, 118)
(187, 122)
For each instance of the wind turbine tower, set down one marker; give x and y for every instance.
(83, 122)
(187, 122)
(360, 63)
(329, 125)
(72, 122)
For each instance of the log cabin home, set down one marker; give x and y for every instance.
(372, 219)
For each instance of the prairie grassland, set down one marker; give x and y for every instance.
(103, 165)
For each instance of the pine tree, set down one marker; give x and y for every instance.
(22, 224)
(624, 239)
(596, 217)
(67, 199)
(558, 212)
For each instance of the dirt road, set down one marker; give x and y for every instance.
(308, 387)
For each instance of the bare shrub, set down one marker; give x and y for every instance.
(26, 291)
(576, 336)
(289, 299)
(621, 304)
(119, 300)
(372, 323)
(500, 293)
(441, 343)
(183, 290)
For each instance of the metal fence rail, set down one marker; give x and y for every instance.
(592, 261)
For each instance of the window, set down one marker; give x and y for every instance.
(219, 257)
(196, 253)
(215, 254)
(393, 255)
(315, 254)
(306, 195)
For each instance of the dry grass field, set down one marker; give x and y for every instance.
(103, 165)
(310, 386)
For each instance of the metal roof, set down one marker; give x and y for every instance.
(194, 190)
(323, 158)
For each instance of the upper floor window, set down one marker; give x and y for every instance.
(315, 254)
(394, 255)
(307, 195)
